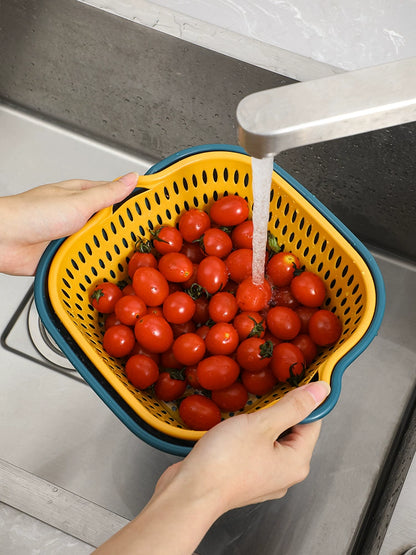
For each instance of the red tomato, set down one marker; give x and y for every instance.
(324, 328)
(155, 310)
(141, 371)
(186, 327)
(239, 264)
(201, 310)
(199, 412)
(139, 350)
(288, 363)
(168, 388)
(232, 398)
(229, 210)
(222, 307)
(168, 361)
(308, 289)
(281, 268)
(153, 333)
(167, 239)
(191, 279)
(254, 354)
(282, 296)
(307, 346)
(191, 377)
(305, 313)
(178, 308)
(259, 383)
(221, 339)
(104, 297)
(111, 320)
(212, 274)
(129, 308)
(268, 336)
(283, 322)
(217, 372)
(253, 297)
(128, 290)
(216, 242)
(193, 251)
(202, 331)
(189, 348)
(140, 260)
(193, 223)
(242, 235)
(118, 341)
(150, 285)
(176, 267)
(249, 324)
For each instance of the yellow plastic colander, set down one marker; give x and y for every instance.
(195, 178)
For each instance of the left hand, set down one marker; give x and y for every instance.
(30, 220)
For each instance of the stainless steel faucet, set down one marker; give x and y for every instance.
(275, 120)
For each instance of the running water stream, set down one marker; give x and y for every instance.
(262, 170)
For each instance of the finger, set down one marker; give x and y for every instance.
(106, 194)
(294, 407)
(302, 436)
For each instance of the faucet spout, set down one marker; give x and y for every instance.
(345, 104)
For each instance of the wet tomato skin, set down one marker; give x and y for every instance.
(168, 388)
(252, 296)
(193, 223)
(229, 210)
(308, 289)
(287, 361)
(153, 333)
(283, 322)
(217, 372)
(232, 398)
(212, 274)
(189, 348)
(142, 371)
(104, 297)
(324, 328)
(118, 341)
(150, 285)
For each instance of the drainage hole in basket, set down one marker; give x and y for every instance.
(185, 184)
(246, 180)
(168, 214)
(69, 274)
(194, 181)
(236, 177)
(166, 193)
(225, 174)
(195, 202)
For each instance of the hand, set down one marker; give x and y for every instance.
(242, 460)
(30, 220)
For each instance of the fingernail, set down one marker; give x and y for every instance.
(129, 179)
(318, 390)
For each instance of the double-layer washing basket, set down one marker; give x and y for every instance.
(194, 178)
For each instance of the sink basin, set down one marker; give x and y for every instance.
(58, 435)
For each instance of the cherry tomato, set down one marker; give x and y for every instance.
(252, 296)
(288, 363)
(281, 268)
(141, 371)
(242, 235)
(168, 361)
(129, 308)
(249, 324)
(254, 354)
(155, 310)
(168, 388)
(216, 242)
(104, 297)
(167, 239)
(150, 285)
(140, 260)
(212, 274)
(308, 289)
(153, 333)
(229, 210)
(217, 372)
(202, 331)
(118, 341)
(189, 348)
(139, 350)
(193, 251)
(128, 290)
(178, 307)
(111, 320)
(186, 327)
(221, 339)
(305, 313)
(307, 346)
(191, 377)
(268, 336)
(191, 279)
(282, 296)
(199, 412)
(283, 322)
(201, 310)
(259, 383)
(232, 398)
(193, 223)
(324, 328)
(222, 307)
(176, 267)
(239, 264)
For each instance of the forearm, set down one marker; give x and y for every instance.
(174, 521)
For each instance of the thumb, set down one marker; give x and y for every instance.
(294, 407)
(106, 194)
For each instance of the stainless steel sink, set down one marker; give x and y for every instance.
(67, 460)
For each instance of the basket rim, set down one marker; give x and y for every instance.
(340, 366)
